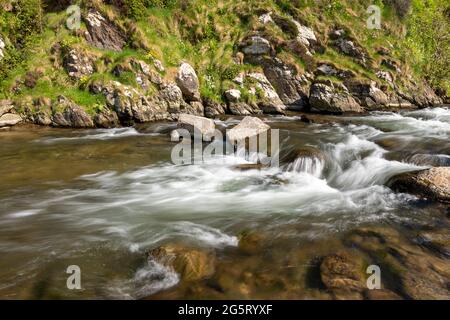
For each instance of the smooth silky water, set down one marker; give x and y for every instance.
(100, 199)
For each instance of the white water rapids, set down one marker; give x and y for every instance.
(208, 204)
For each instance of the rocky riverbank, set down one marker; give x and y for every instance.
(279, 63)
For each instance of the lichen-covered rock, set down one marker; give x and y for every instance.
(191, 264)
(213, 108)
(305, 35)
(102, 33)
(326, 98)
(71, 115)
(9, 119)
(368, 95)
(248, 127)
(330, 70)
(285, 81)
(233, 95)
(271, 102)
(78, 63)
(433, 183)
(187, 80)
(106, 119)
(244, 109)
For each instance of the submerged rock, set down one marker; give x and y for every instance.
(191, 264)
(340, 272)
(434, 160)
(436, 240)
(433, 183)
(413, 273)
(248, 127)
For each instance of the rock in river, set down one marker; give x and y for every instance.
(248, 127)
(433, 183)
(191, 264)
(201, 126)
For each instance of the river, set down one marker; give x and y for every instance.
(99, 199)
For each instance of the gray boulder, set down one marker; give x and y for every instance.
(197, 126)
(233, 95)
(9, 119)
(326, 98)
(188, 82)
(71, 115)
(102, 33)
(248, 127)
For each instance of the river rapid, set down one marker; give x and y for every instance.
(100, 199)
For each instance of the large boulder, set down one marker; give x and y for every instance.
(271, 102)
(106, 119)
(191, 264)
(285, 81)
(256, 46)
(200, 127)
(432, 183)
(187, 80)
(325, 97)
(248, 127)
(102, 33)
(71, 115)
(9, 119)
(368, 95)
(305, 34)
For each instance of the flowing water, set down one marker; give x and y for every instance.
(100, 199)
